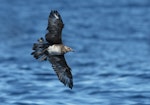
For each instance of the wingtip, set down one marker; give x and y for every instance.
(71, 85)
(67, 82)
(55, 13)
(53, 10)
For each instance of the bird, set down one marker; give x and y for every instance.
(52, 49)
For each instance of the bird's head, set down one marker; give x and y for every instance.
(67, 49)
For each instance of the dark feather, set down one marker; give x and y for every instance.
(55, 26)
(40, 49)
(62, 70)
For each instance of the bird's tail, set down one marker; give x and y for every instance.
(40, 50)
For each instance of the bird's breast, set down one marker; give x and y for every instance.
(55, 50)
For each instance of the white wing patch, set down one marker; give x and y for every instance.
(56, 16)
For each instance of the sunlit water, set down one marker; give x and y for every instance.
(110, 65)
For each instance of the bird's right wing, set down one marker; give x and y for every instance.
(62, 70)
(55, 26)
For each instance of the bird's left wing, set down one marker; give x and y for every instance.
(62, 70)
(55, 26)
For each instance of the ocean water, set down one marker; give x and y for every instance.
(110, 65)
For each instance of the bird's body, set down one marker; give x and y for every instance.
(53, 49)
(57, 49)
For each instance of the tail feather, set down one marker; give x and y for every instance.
(40, 49)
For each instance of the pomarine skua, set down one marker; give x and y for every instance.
(53, 49)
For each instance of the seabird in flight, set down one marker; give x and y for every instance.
(53, 50)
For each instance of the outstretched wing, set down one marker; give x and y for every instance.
(55, 26)
(62, 70)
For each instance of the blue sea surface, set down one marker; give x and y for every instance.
(110, 65)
